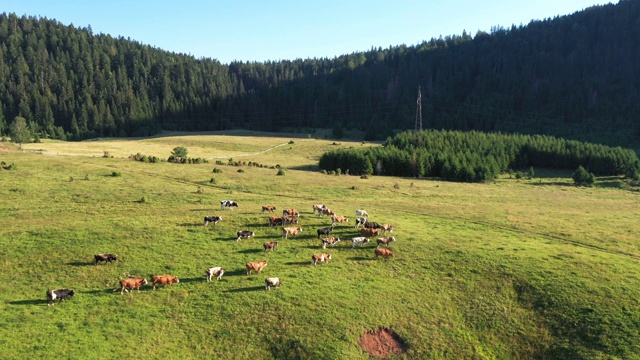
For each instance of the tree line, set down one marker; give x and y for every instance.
(476, 156)
(571, 76)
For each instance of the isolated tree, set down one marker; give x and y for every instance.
(582, 177)
(179, 154)
(19, 131)
(531, 173)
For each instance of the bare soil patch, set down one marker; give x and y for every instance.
(382, 343)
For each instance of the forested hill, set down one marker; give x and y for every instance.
(575, 76)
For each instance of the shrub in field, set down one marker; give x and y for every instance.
(280, 172)
(217, 171)
(212, 181)
(240, 170)
(219, 162)
(116, 174)
(581, 177)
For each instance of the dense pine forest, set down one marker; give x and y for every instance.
(575, 76)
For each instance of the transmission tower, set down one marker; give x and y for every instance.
(419, 111)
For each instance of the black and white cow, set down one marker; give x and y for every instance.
(228, 204)
(359, 240)
(360, 221)
(104, 257)
(324, 231)
(211, 219)
(245, 234)
(59, 294)
(362, 213)
(272, 281)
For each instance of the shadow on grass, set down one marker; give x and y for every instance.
(29, 302)
(298, 263)
(80, 263)
(360, 258)
(203, 278)
(105, 291)
(245, 289)
(199, 224)
(251, 251)
(242, 272)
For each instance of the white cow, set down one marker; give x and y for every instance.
(362, 213)
(272, 281)
(215, 271)
(359, 240)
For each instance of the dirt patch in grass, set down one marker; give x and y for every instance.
(382, 343)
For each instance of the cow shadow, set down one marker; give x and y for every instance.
(298, 263)
(199, 224)
(29, 302)
(251, 251)
(360, 258)
(112, 290)
(203, 278)
(80, 263)
(235, 273)
(245, 289)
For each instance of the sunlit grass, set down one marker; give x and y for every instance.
(507, 269)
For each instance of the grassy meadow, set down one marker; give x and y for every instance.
(510, 269)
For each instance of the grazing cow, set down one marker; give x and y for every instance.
(214, 271)
(211, 219)
(325, 231)
(244, 234)
(290, 212)
(272, 281)
(163, 280)
(317, 209)
(104, 257)
(329, 241)
(131, 283)
(290, 219)
(338, 219)
(293, 231)
(372, 225)
(276, 220)
(383, 252)
(386, 227)
(369, 232)
(359, 240)
(256, 266)
(60, 294)
(272, 245)
(360, 221)
(228, 204)
(326, 211)
(315, 258)
(269, 208)
(362, 213)
(386, 241)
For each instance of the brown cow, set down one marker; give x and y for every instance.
(317, 209)
(326, 211)
(272, 245)
(315, 258)
(293, 231)
(290, 212)
(367, 232)
(290, 219)
(163, 280)
(339, 219)
(383, 252)
(131, 283)
(269, 208)
(385, 241)
(256, 266)
(276, 220)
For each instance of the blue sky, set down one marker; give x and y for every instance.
(275, 30)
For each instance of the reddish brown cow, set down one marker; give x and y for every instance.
(290, 212)
(383, 252)
(256, 266)
(293, 231)
(275, 220)
(163, 280)
(289, 220)
(386, 227)
(315, 258)
(269, 208)
(270, 245)
(369, 232)
(339, 219)
(131, 283)
(329, 241)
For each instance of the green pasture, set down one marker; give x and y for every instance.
(502, 270)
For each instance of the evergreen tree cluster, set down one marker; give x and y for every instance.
(571, 76)
(475, 156)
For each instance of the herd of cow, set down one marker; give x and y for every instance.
(289, 216)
